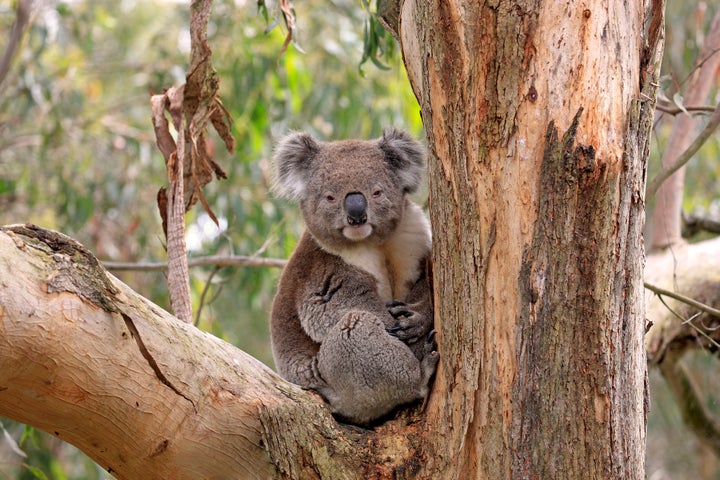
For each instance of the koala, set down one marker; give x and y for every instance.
(352, 318)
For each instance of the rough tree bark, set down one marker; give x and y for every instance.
(537, 116)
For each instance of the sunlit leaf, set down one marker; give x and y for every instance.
(12, 444)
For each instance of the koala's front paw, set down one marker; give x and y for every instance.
(410, 325)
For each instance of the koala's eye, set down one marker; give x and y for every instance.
(330, 198)
(377, 193)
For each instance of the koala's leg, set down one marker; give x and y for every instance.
(369, 371)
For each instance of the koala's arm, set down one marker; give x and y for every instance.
(414, 313)
(333, 293)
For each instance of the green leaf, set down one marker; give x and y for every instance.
(37, 473)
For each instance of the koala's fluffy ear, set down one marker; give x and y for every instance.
(405, 157)
(293, 157)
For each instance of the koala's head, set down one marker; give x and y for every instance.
(349, 191)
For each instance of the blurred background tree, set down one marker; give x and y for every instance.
(673, 451)
(77, 154)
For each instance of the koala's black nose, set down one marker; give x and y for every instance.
(356, 208)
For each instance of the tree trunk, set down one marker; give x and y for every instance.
(538, 117)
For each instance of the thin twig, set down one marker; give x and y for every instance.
(687, 108)
(700, 64)
(682, 298)
(689, 323)
(215, 261)
(206, 288)
(685, 157)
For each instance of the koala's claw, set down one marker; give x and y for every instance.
(399, 332)
(393, 330)
(408, 332)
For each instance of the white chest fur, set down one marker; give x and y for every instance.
(395, 265)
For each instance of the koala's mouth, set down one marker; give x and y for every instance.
(357, 232)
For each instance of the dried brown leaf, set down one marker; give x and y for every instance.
(222, 122)
(162, 207)
(164, 140)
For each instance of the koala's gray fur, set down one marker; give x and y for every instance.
(366, 244)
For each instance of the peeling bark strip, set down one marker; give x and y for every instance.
(77, 271)
(151, 361)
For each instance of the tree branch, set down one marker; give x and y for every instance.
(693, 224)
(86, 359)
(209, 261)
(686, 268)
(146, 396)
(188, 162)
(670, 110)
(22, 18)
(682, 298)
(685, 157)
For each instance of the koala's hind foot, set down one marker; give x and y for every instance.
(368, 371)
